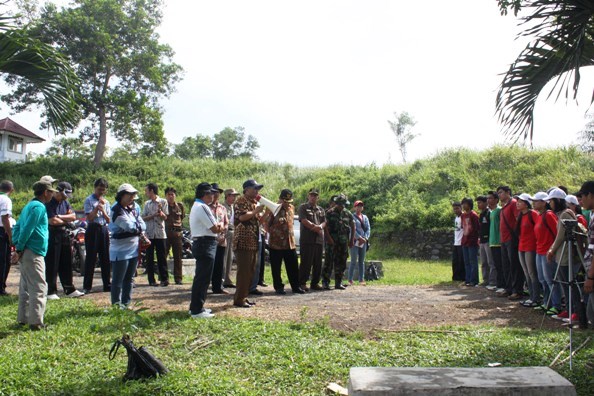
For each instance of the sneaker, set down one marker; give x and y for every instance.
(491, 288)
(553, 311)
(75, 294)
(499, 290)
(202, 315)
(574, 318)
(526, 303)
(53, 297)
(541, 307)
(205, 310)
(561, 316)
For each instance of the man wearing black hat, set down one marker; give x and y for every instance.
(220, 214)
(246, 240)
(340, 234)
(204, 228)
(311, 240)
(58, 260)
(282, 244)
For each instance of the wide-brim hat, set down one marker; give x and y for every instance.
(127, 187)
(41, 186)
(231, 191)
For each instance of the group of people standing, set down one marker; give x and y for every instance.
(239, 227)
(528, 242)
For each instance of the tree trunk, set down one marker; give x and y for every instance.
(102, 141)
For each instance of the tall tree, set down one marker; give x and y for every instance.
(199, 146)
(25, 59)
(562, 44)
(402, 130)
(232, 143)
(123, 67)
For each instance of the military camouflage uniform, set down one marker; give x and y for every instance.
(339, 224)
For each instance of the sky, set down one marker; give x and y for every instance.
(316, 81)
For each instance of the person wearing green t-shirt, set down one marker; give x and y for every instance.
(494, 239)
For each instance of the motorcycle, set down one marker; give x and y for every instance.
(187, 245)
(77, 243)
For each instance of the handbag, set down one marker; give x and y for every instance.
(141, 363)
(143, 241)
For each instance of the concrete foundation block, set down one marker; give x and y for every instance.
(520, 381)
(188, 266)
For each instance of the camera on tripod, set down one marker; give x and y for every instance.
(571, 226)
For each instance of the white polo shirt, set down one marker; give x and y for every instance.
(201, 220)
(5, 206)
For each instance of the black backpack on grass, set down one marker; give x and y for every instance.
(141, 363)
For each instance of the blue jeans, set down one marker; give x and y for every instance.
(121, 280)
(553, 298)
(357, 258)
(471, 264)
(204, 250)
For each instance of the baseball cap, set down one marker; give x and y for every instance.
(41, 186)
(587, 188)
(231, 191)
(524, 197)
(48, 179)
(252, 183)
(357, 203)
(66, 188)
(286, 195)
(540, 196)
(572, 199)
(127, 188)
(555, 193)
(215, 186)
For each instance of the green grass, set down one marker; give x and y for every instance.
(251, 357)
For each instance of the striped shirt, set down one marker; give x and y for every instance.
(201, 220)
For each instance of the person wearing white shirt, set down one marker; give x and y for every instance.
(204, 228)
(458, 270)
(6, 187)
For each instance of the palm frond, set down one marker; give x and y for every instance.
(47, 70)
(563, 44)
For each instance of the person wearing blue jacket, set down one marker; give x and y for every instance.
(30, 237)
(126, 226)
(359, 249)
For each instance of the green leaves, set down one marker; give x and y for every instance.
(563, 44)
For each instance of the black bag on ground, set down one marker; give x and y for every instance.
(371, 273)
(141, 363)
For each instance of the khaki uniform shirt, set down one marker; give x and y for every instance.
(175, 216)
(316, 215)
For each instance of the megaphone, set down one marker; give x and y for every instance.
(272, 206)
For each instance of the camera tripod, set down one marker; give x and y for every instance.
(572, 282)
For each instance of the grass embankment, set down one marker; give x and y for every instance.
(226, 356)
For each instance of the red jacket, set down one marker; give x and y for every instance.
(470, 229)
(508, 217)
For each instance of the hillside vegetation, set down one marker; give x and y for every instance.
(397, 197)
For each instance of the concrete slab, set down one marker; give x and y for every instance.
(188, 266)
(445, 381)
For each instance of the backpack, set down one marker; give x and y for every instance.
(372, 272)
(141, 363)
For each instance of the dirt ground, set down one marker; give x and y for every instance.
(358, 308)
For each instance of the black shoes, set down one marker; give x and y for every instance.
(178, 282)
(164, 284)
(107, 288)
(326, 285)
(281, 292)
(256, 292)
(230, 285)
(299, 291)
(263, 284)
(339, 287)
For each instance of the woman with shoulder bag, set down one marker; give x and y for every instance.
(527, 248)
(126, 229)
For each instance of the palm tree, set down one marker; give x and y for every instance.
(563, 34)
(40, 64)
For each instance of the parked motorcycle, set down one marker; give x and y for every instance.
(187, 244)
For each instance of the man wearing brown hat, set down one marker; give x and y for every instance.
(30, 237)
(246, 240)
(58, 260)
(230, 197)
(311, 240)
(282, 244)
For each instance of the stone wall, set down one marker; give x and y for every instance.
(423, 245)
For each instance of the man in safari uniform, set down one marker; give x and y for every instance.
(340, 234)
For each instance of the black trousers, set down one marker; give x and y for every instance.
(512, 269)
(291, 266)
(4, 259)
(97, 244)
(204, 250)
(311, 262)
(217, 270)
(58, 262)
(496, 253)
(160, 246)
(458, 268)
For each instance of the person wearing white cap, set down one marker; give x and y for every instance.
(556, 198)
(527, 248)
(574, 205)
(126, 226)
(545, 232)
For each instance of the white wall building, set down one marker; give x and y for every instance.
(14, 139)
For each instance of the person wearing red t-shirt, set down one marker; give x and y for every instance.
(545, 232)
(510, 261)
(527, 248)
(470, 242)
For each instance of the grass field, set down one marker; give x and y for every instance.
(227, 356)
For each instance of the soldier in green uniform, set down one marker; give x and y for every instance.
(340, 234)
(328, 260)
